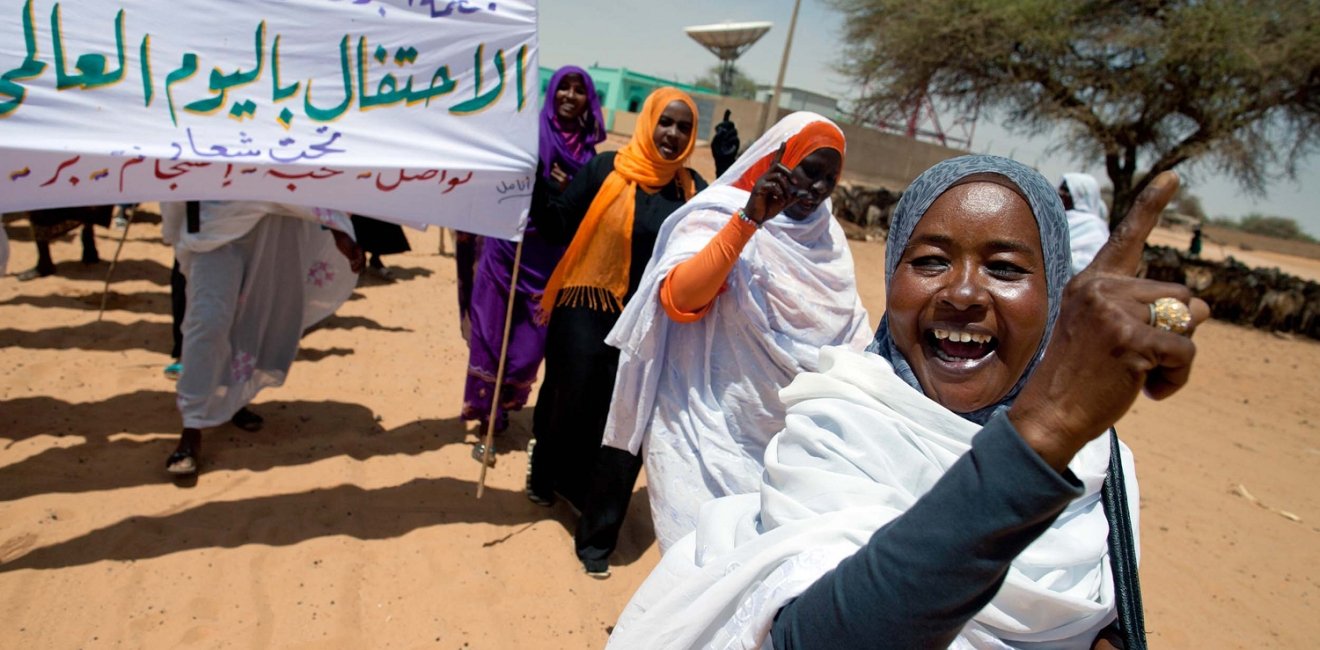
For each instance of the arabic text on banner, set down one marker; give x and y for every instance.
(419, 111)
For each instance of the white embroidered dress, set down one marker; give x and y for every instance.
(259, 274)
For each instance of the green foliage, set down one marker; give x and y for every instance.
(1234, 84)
(1184, 202)
(1269, 226)
(1280, 227)
(743, 85)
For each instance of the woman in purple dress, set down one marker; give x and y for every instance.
(571, 127)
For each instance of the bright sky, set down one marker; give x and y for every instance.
(647, 36)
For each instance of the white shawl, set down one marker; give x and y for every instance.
(703, 396)
(1088, 221)
(859, 448)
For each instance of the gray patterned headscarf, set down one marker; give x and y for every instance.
(1050, 219)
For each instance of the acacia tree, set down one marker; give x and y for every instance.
(743, 85)
(1232, 83)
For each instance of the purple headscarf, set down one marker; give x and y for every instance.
(571, 146)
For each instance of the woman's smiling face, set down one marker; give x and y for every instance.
(968, 302)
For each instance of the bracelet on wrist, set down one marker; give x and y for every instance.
(742, 214)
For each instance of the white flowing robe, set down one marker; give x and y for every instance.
(1088, 221)
(859, 448)
(703, 397)
(258, 275)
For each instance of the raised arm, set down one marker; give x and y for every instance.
(690, 288)
(562, 215)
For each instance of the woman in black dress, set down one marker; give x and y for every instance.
(611, 213)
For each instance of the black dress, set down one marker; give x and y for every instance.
(574, 402)
(379, 237)
(49, 225)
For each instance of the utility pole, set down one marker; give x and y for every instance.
(772, 111)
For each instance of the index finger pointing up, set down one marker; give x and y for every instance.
(779, 155)
(1122, 253)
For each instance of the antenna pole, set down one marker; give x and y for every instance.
(772, 111)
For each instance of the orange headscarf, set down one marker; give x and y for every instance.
(813, 136)
(594, 269)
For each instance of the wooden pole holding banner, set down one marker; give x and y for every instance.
(487, 447)
(105, 292)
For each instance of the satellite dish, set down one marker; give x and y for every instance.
(728, 41)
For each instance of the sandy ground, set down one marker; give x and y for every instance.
(351, 522)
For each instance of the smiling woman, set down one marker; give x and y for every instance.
(571, 125)
(968, 305)
(943, 489)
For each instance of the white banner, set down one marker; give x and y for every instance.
(417, 111)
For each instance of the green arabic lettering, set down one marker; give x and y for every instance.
(187, 68)
(144, 52)
(522, 77)
(327, 115)
(482, 101)
(30, 67)
(387, 91)
(279, 93)
(220, 83)
(91, 67)
(435, 91)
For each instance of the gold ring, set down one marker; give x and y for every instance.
(1170, 315)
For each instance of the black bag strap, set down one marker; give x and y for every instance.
(194, 213)
(1123, 552)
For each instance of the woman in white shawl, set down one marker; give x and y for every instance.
(698, 384)
(942, 490)
(259, 274)
(1088, 217)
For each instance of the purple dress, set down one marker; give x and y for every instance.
(485, 305)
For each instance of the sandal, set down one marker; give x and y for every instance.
(184, 460)
(247, 420)
(479, 452)
(539, 500)
(532, 495)
(34, 273)
(598, 569)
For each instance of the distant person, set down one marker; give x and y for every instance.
(571, 125)
(1088, 217)
(611, 213)
(748, 281)
(1194, 249)
(49, 225)
(258, 275)
(378, 238)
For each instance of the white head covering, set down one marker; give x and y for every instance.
(1088, 220)
(714, 383)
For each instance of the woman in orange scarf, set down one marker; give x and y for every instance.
(611, 212)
